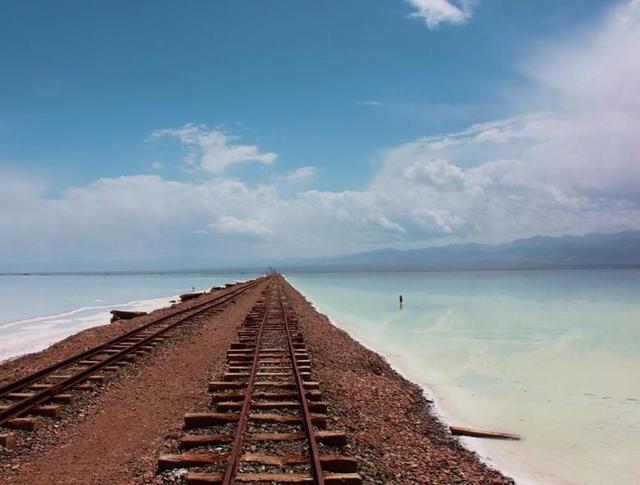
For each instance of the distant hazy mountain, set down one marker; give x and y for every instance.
(590, 251)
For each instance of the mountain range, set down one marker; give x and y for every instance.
(619, 250)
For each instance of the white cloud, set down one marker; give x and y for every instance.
(300, 174)
(17, 189)
(371, 102)
(436, 12)
(212, 149)
(157, 165)
(233, 226)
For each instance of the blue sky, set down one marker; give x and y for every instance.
(304, 108)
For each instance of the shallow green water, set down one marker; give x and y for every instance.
(551, 355)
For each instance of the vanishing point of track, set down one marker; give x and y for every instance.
(270, 420)
(42, 392)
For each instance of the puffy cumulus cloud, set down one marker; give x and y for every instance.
(212, 149)
(436, 12)
(573, 166)
(127, 219)
(148, 218)
(502, 198)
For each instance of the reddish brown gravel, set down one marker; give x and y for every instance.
(393, 432)
(115, 435)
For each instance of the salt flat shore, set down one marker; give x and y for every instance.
(137, 413)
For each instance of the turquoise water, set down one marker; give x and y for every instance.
(37, 310)
(553, 356)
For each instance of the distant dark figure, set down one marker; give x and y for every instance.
(401, 301)
(193, 288)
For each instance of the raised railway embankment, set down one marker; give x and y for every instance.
(147, 393)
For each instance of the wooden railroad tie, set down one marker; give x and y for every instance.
(330, 463)
(193, 478)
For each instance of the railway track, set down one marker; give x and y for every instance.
(268, 421)
(42, 393)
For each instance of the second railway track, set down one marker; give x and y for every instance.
(42, 393)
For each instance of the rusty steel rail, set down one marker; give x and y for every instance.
(22, 407)
(306, 414)
(234, 458)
